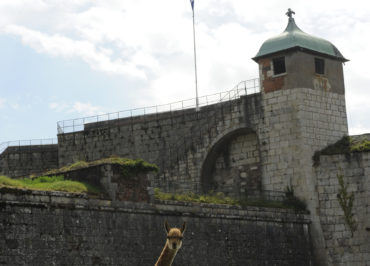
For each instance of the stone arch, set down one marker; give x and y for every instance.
(233, 163)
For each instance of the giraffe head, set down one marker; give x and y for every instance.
(174, 236)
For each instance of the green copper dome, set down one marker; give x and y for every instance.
(294, 37)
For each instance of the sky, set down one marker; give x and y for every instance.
(74, 58)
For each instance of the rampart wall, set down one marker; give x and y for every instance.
(19, 161)
(261, 141)
(344, 248)
(178, 142)
(49, 228)
(257, 141)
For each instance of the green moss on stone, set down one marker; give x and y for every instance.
(361, 146)
(49, 183)
(219, 198)
(346, 145)
(128, 166)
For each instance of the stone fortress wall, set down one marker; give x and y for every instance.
(50, 228)
(263, 141)
(258, 142)
(345, 248)
(20, 161)
(184, 144)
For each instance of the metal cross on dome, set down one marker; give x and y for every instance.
(290, 13)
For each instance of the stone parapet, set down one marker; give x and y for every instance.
(343, 247)
(54, 228)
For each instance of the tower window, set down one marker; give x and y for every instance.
(279, 65)
(319, 66)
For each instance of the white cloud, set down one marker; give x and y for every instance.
(151, 42)
(359, 129)
(2, 102)
(57, 45)
(58, 107)
(85, 109)
(77, 108)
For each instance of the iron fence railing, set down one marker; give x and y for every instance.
(242, 88)
(29, 142)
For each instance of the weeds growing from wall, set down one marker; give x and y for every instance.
(49, 183)
(342, 146)
(216, 198)
(128, 166)
(346, 145)
(220, 198)
(346, 200)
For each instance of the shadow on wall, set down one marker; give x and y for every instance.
(233, 164)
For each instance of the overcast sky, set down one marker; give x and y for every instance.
(74, 58)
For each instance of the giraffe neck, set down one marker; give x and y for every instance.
(167, 256)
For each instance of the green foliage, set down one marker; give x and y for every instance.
(132, 167)
(220, 198)
(361, 146)
(48, 183)
(129, 166)
(346, 202)
(342, 146)
(216, 198)
(345, 145)
(76, 165)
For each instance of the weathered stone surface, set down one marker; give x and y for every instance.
(261, 141)
(343, 248)
(20, 161)
(96, 232)
(115, 184)
(179, 143)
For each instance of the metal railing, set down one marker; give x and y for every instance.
(242, 88)
(29, 142)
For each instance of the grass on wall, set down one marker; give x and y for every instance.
(48, 183)
(361, 146)
(53, 180)
(216, 198)
(128, 166)
(346, 200)
(345, 145)
(220, 198)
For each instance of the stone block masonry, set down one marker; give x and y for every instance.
(20, 161)
(259, 141)
(268, 137)
(178, 142)
(298, 123)
(115, 184)
(40, 228)
(342, 247)
(262, 141)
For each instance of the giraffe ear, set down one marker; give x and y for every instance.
(166, 227)
(183, 227)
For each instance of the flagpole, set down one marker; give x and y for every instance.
(195, 64)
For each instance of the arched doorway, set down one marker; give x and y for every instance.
(233, 164)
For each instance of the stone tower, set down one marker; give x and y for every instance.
(303, 94)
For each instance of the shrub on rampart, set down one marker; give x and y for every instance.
(128, 166)
(346, 145)
(49, 183)
(291, 202)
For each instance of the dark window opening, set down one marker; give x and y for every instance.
(319, 66)
(279, 65)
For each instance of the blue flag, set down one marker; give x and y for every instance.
(192, 4)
